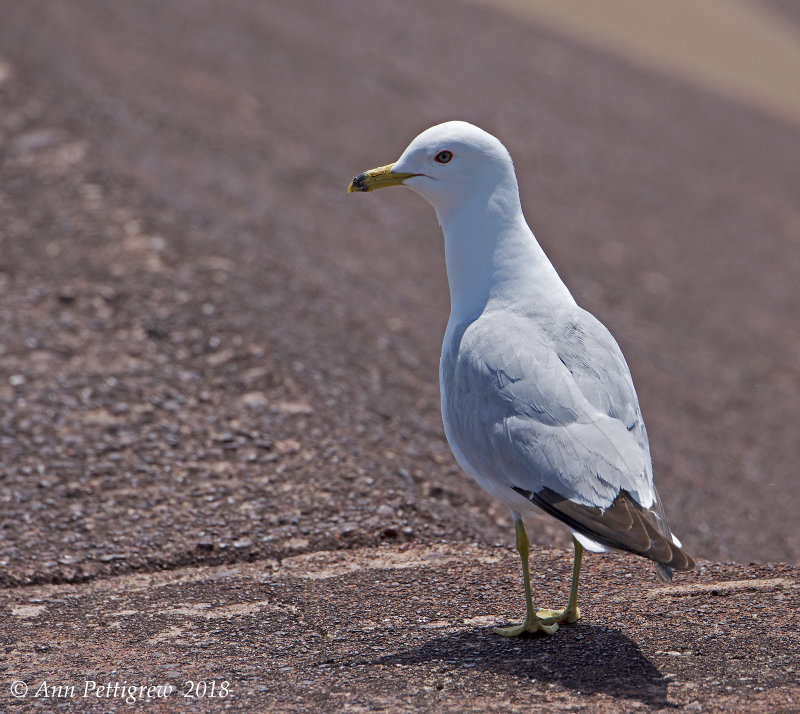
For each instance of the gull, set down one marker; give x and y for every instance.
(538, 403)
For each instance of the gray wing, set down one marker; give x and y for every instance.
(544, 405)
(539, 402)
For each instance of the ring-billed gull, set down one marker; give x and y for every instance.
(538, 403)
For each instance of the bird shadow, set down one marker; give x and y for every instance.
(584, 658)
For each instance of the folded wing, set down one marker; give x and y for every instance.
(544, 404)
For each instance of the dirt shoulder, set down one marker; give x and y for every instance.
(206, 342)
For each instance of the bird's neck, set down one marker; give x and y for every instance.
(491, 254)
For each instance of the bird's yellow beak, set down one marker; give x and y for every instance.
(374, 179)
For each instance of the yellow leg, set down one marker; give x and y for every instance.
(571, 613)
(533, 622)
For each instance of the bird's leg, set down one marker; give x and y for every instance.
(532, 623)
(571, 613)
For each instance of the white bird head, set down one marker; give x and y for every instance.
(449, 165)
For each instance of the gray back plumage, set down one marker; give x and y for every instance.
(545, 400)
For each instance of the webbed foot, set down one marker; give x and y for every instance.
(566, 616)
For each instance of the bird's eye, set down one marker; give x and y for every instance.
(444, 156)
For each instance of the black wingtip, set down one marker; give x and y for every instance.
(624, 525)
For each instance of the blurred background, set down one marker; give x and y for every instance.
(210, 352)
